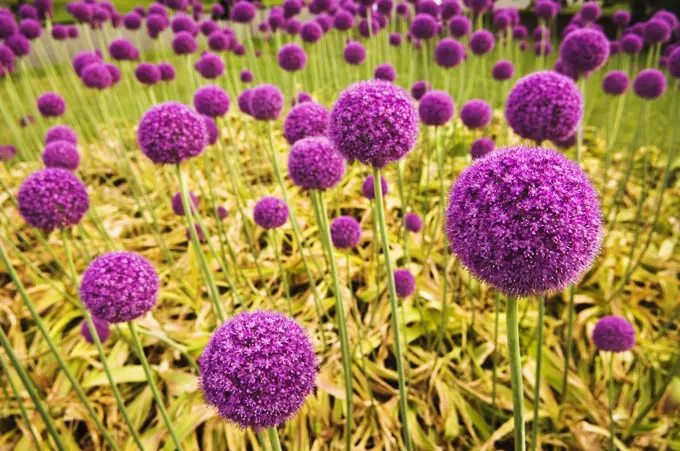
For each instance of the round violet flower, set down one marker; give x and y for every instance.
(30, 28)
(210, 66)
(544, 105)
(520, 32)
(413, 222)
(270, 213)
(313, 163)
(293, 26)
(171, 132)
(119, 286)
(7, 152)
(419, 89)
(376, 139)
(246, 76)
(368, 187)
(208, 27)
(218, 41)
(61, 154)
(51, 104)
(615, 83)
(524, 220)
(123, 50)
(266, 102)
(404, 282)
(395, 39)
(257, 369)
(292, 57)
(590, 12)
(182, 22)
(184, 43)
(52, 198)
(61, 133)
(304, 120)
(631, 44)
(222, 212)
(545, 10)
(656, 31)
(27, 11)
(449, 53)
(481, 148)
(673, 64)
(345, 232)
(614, 334)
(385, 72)
(436, 108)
(621, 18)
(84, 59)
(650, 84)
(423, 26)
(167, 71)
(343, 21)
(147, 74)
(311, 32)
(459, 26)
(585, 50)
(19, 45)
(354, 53)
(243, 12)
(59, 32)
(100, 326)
(97, 76)
(503, 70)
(132, 21)
(481, 42)
(244, 101)
(449, 8)
(476, 113)
(542, 48)
(178, 207)
(155, 24)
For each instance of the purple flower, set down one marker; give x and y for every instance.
(132, 21)
(119, 286)
(171, 132)
(345, 232)
(650, 84)
(481, 148)
(545, 10)
(374, 122)
(395, 39)
(621, 18)
(100, 326)
(354, 53)
(270, 213)
(385, 72)
(59, 32)
(615, 83)
(365, 31)
(178, 206)
(147, 74)
(343, 21)
(19, 44)
(427, 7)
(544, 105)
(61, 154)
(52, 198)
(657, 31)
(218, 41)
(84, 59)
(436, 108)
(541, 33)
(182, 22)
(368, 187)
(293, 26)
(476, 113)
(385, 6)
(313, 163)
(122, 50)
(481, 42)
(208, 27)
(311, 32)
(402, 10)
(243, 12)
(423, 26)
(291, 8)
(222, 212)
(167, 71)
(413, 222)
(155, 24)
(211, 128)
(257, 369)
(614, 334)
(292, 57)
(27, 11)
(459, 26)
(419, 89)
(524, 220)
(246, 76)
(585, 50)
(244, 101)
(590, 12)
(51, 104)
(631, 44)
(449, 8)
(404, 282)
(61, 133)
(304, 120)
(210, 66)
(673, 64)
(266, 102)
(520, 32)
(503, 70)
(7, 152)
(449, 53)
(184, 43)
(30, 28)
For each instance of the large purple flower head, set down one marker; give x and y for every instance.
(419, 89)
(481, 148)
(291, 8)
(404, 283)
(590, 12)
(311, 32)
(621, 18)
(122, 50)
(673, 64)
(155, 24)
(385, 72)
(449, 8)
(478, 6)
(59, 32)
(354, 53)
(243, 12)
(449, 53)
(313, 163)
(402, 10)
(184, 43)
(61, 154)
(218, 41)
(45, 8)
(119, 286)
(132, 21)
(19, 44)
(413, 222)
(615, 83)
(368, 187)
(304, 120)
(427, 7)
(84, 59)
(650, 84)
(657, 31)
(210, 66)
(585, 50)
(208, 27)
(51, 104)
(266, 102)
(423, 26)
(257, 369)
(544, 105)
(81, 12)
(374, 122)
(270, 213)
(476, 113)
(30, 28)
(614, 334)
(367, 31)
(182, 22)
(525, 220)
(100, 326)
(147, 74)
(52, 198)
(503, 70)
(436, 108)
(292, 57)
(343, 20)
(61, 133)
(27, 11)
(631, 44)
(178, 206)
(481, 42)
(171, 132)
(167, 71)
(345, 232)
(459, 26)
(545, 9)
(293, 26)
(385, 6)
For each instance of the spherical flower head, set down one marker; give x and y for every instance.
(100, 326)
(119, 286)
(503, 70)
(313, 163)
(478, 6)
(544, 105)
(51, 104)
(345, 232)
(673, 64)
(657, 31)
(436, 108)
(123, 50)
(449, 53)
(147, 74)
(218, 41)
(476, 113)
(404, 283)
(266, 102)
(374, 122)
(167, 71)
(306, 119)
(61, 154)
(343, 20)
(419, 89)
(178, 206)
(481, 42)
(7, 152)
(368, 187)
(303, 97)
(52, 199)
(449, 8)
(545, 10)
(222, 212)
(621, 18)
(257, 369)
(292, 57)
(208, 27)
(155, 24)
(614, 334)
(481, 148)
(524, 220)
(184, 43)
(631, 44)
(210, 66)
(27, 11)
(182, 22)
(428, 7)
(293, 26)
(8, 26)
(243, 12)
(311, 32)
(413, 222)
(385, 72)
(244, 101)
(424, 26)
(585, 50)
(367, 31)
(270, 213)
(520, 32)
(59, 32)
(501, 20)
(246, 76)
(459, 26)
(650, 84)
(615, 83)
(395, 39)
(97, 76)
(171, 132)
(132, 21)
(30, 28)
(354, 53)
(590, 12)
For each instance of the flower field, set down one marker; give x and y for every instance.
(339, 225)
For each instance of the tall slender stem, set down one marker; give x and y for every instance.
(612, 401)
(537, 382)
(20, 402)
(570, 339)
(495, 358)
(282, 271)
(274, 439)
(516, 373)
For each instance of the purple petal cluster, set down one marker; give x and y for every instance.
(354, 53)
(404, 283)
(266, 102)
(7, 152)
(481, 148)
(419, 89)
(97, 76)
(650, 84)
(368, 187)
(503, 70)
(449, 53)
(313, 163)
(476, 113)
(385, 72)
(147, 74)
(51, 104)
(615, 83)
(304, 120)
(210, 66)
(212, 101)
(100, 326)
(585, 50)
(613, 334)
(270, 213)
(413, 222)
(423, 26)
(61, 154)
(481, 42)
(436, 108)
(345, 232)
(292, 57)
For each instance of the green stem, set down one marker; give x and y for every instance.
(20, 402)
(516, 373)
(442, 203)
(537, 382)
(612, 401)
(274, 439)
(570, 339)
(497, 298)
(282, 271)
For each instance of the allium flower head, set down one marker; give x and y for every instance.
(266, 102)
(218, 41)
(211, 100)
(419, 89)
(481, 148)
(590, 12)
(526, 221)
(100, 326)
(481, 42)
(246, 76)
(30, 28)
(545, 10)
(19, 44)
(585, 50)
(544, 105)
(449, 53)
(292, 57)
(7, 152)
(270, 213)
(368, 187)
(614, 334)
(51, 104)
(97, 76)
(167, 71)
(257, 369)
(449, 9)
(615, 83)
(621, 18)
(395, 39)
(374, 122)
(311, 32)
(657, 31)
(503, 70)
(211, 127)
(52, 198)
(210, 66)
(404, 282)
(182, 22)
(304, 120)
(243, 12)
(650, 84)
(244, 101)
(313, 163)
(673, 64)
(385, 72)
(631, 44)
(119, 286)
(476, 113)
(147, 74)
(184, 43)
(171, 132)
(178, 206)
(423, 26)
(345, 232)
(343, 20)
(61, 154)
(132, 21)
(59, 32)
(354, 53)
(123, 50)
(459, 26)
(436, 108)
(413, 222)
